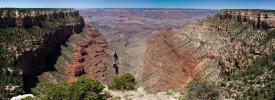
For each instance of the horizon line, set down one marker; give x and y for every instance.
(136, 8)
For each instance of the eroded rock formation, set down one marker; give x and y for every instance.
(92, 57)
(213, 47)
(86, 54)
(168, 66)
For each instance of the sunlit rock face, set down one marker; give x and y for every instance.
(87, 54)
(216, 46)
(261, 19)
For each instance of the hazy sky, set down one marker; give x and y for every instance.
(204, 4)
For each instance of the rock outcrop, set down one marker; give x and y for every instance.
(91, 57)
(86, 54)
(260, 19)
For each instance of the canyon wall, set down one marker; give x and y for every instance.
(128, 29)
(261, 19)
(86, 54)
(214, 47)
(37, 60)
(32, 17)
(30, 41)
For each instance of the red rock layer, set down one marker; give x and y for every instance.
(92, 57)
(167, 65)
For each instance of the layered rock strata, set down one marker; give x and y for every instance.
(214, 47)
(92, 58)
(261, 19)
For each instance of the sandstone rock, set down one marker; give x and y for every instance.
(89, 58)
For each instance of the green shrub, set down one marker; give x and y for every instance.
(87, 89)
(83, 89)
(203, 90)
(53, 92)
(124, 82)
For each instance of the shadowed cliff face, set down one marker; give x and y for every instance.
(31, 39)
(51, 45)
(43, 58)
(86, 53)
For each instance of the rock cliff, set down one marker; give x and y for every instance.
(32, 17)
(261, 19)
(30, 39)
(86, 54)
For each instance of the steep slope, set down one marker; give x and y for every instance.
(49, 45)
(96, 57)
(215, 47)
(85, 54)
(166, 60)
(30, 39)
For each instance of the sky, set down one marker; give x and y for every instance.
(194, 4)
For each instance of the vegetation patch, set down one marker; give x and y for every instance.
(270, 35)
(83, 89)
(255, 81)
(201, 90)
(124, 82)
(18, 36)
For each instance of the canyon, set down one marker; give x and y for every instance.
(165, 49)
(128, 29)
